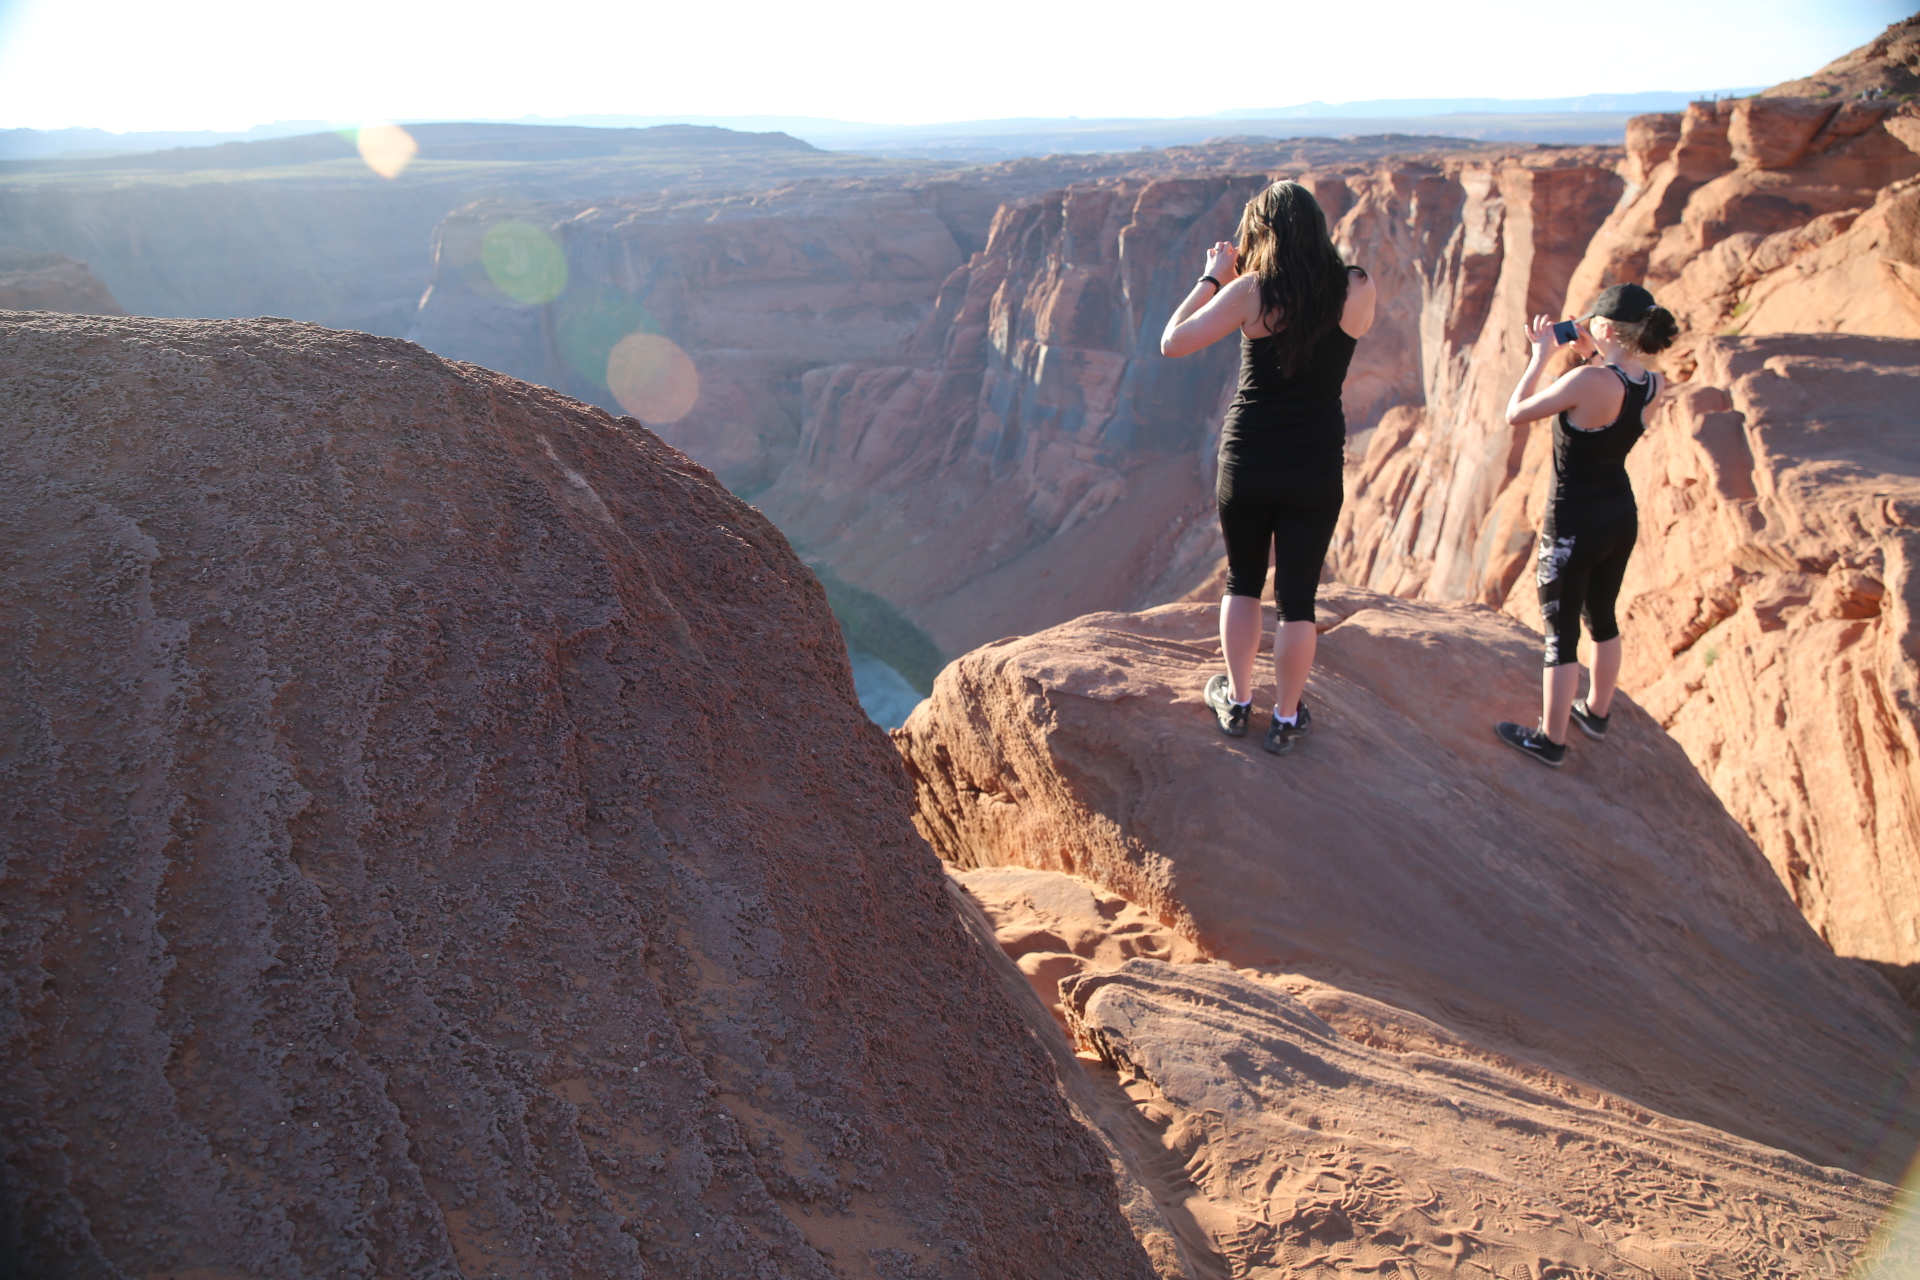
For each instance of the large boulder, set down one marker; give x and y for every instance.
(1607, 926)
(442, 840)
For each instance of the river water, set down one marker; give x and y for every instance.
(885, 695)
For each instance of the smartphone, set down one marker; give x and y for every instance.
(1566, 331)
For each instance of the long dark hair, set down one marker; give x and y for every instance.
(1303, 283)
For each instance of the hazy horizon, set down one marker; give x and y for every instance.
(222, 66)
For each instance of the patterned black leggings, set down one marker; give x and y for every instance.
(1579, 568)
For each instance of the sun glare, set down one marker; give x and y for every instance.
(652, 378)
(387, 148)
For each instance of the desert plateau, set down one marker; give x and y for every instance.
(627, 700)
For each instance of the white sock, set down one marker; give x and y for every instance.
(1292, 719)
(1247, 703)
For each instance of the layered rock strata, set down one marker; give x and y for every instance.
(1312, 1131)
(1606, 928)
(1774, 606)
(443, 841)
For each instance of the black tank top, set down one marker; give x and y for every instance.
(1590, 467)
(1276, 420)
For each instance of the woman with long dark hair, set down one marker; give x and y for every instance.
(1299, 311)
(1599, 413)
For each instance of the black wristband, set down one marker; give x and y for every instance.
(1209, 280)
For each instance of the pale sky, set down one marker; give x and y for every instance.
(230, 64)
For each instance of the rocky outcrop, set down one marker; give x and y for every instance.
(1279, 1121)
(52, 282)
(424, 860)
(1604, 928)
(1310, 1129)
(1770, 215)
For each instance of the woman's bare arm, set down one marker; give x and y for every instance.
(1572, 390)
(1357, 318)
(1208, 314)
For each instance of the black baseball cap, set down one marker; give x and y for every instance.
(1623, 302)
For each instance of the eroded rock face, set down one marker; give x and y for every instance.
(52, 282)
(1776, 616)
(1607, 924)
(443, 841)
(1466, 256)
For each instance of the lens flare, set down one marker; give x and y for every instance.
(653, 379)
(524, 262)
(1893, 1251)
(387, 148)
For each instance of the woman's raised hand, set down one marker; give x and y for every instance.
(1223, 262)
(1540, 334)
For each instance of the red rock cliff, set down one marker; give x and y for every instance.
(442, 839)
(1774, 486)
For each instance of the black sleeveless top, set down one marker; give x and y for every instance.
(1281, 421)
(1590, 467)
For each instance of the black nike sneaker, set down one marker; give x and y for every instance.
(1232, 715)
(1593, 726)
(1282, 737)
(1532, 742)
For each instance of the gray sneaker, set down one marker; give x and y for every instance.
(1232, 715)
(1593, 726)
(1282, 738)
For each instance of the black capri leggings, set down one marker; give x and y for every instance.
(1578, 569)
(1292, 510)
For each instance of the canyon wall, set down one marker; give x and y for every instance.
(1036, 457)
(1038, 414)
(443, 840)
(757, 288)
(1773, 607)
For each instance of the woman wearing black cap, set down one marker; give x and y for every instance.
(1598, 413)
(1299, 310)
